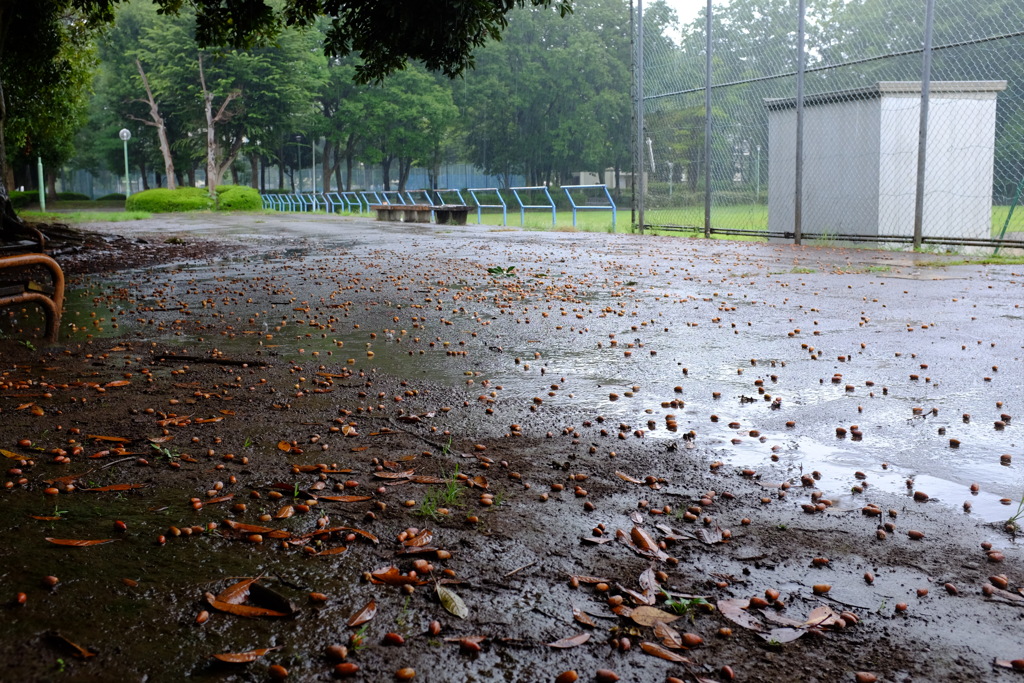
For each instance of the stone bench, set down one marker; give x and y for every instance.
(451, 214)
(407, 213)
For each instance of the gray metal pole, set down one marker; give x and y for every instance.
(42, 184)
(798, 184)
(641, 184)
(707, 121)
(127, 177)
(922, 134)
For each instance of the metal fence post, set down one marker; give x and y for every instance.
(641, 183)
(798, 184)
(922, 139)
(707, 121)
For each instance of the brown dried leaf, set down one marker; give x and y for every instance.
(646, 615)
(242, 610)
(365, 534)
(664, 653)
(364, 615)
(248, 528)
(392, 576)
(245, 657)
(783, 635)
(285, 512)
(333, 551)
(116, 487)
(9, 454)
(571, 641)
(284, 446)
(625, 477)
(419, 540)
(823, 615)
(116, 383)
(582, 617)
(735, 610)
(345, 499)
(76, 649)
(668, 635)
(394, 475)
(115, 439)
(237, 593)
(76, 543)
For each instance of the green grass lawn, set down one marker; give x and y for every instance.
(74, 217)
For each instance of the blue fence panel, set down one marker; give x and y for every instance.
(334, 200)
(371, 197)
(480, 205)
(393, 197)
(425, 194)
(288, 202)
(591, 207)
(353, 202)
(523, 206)
(442, 199)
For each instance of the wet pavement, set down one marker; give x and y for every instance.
(643, 372)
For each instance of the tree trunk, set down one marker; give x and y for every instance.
(51, 186)
(215, 170)
(157, 121)
(385, 168)
(254, 181)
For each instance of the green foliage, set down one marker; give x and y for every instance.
(22, 199)
(162, 200)
(73, 197)
(238, 198)
(112, 197)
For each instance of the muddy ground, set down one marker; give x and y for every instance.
(805, 457)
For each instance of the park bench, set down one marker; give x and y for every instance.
(22, 261)
(408, 213)
(451, 214)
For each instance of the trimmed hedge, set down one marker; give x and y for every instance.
(73, 197)
(238, 198)
(112, 197)
(162, 200)
(22, 199)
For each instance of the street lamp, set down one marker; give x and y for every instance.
(125, 136)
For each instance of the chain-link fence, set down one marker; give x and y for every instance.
(904, 124)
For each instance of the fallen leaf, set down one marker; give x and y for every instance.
(285, 512)
(735, 610)
(394, 475)
(207, 420)
(220, 499)
(76, 543)
(364, 615)
(664, 653)
(116, 487)
(237, 593)
(242, 610)
(9, 454)
(116, 383)
(365, 534)
(647, 616)
(782, 635)
(45, 518)
(245, 657)
(76, 649)
(625, 477)
(451, 601)
(249, 528)
(114, 439)
(582, 617)
(668, 635)
(419, 540)
(392, 576)
(333, 551)
(822, 615)
(161, 439)
(571, 641)
(284, 446)
(345, 499)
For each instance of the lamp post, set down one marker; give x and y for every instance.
(125, 136)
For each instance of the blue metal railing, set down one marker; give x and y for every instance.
(523, 206)
(480, 205)
(591, 207)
